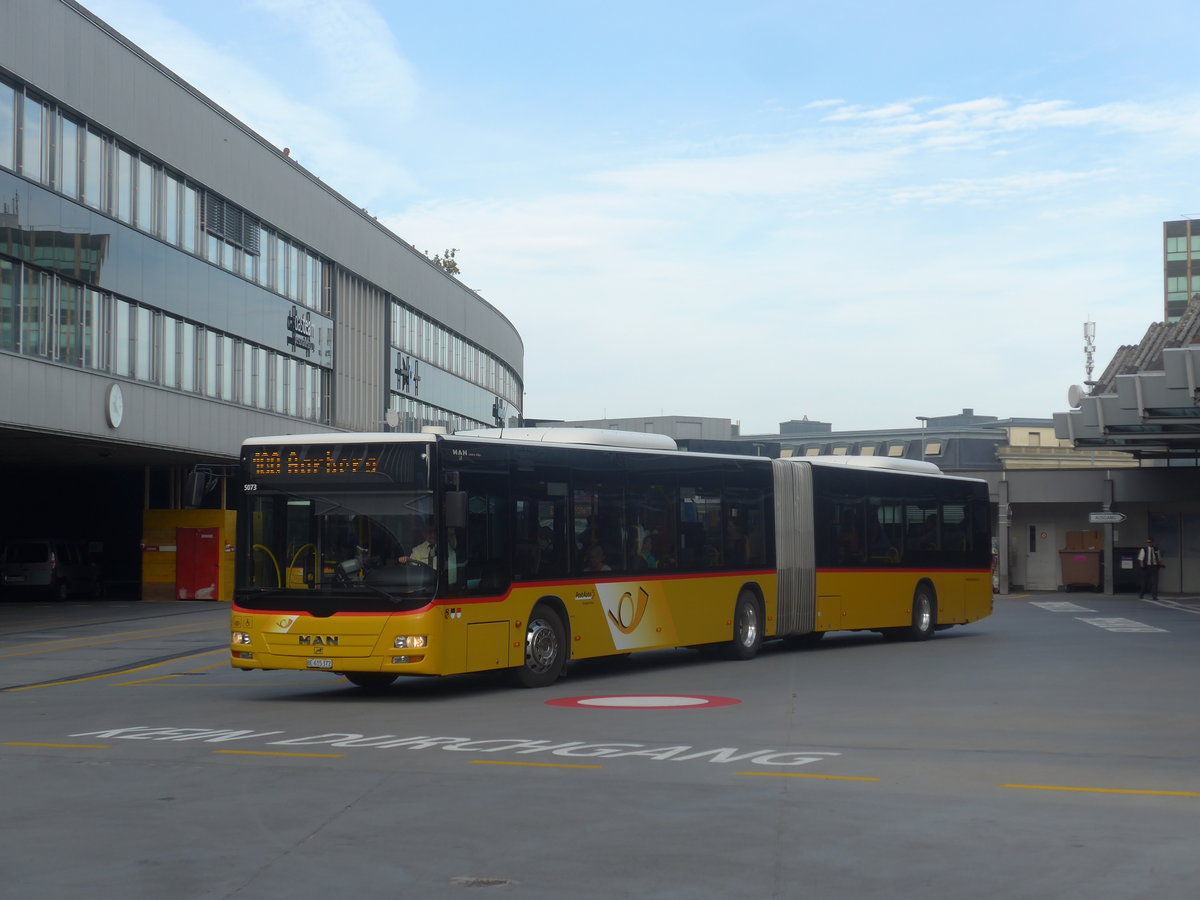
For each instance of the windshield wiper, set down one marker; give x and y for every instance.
(380, 591)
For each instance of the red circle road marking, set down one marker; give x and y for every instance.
(644, 701)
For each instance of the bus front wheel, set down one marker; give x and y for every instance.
(545, 649)
(747, 628)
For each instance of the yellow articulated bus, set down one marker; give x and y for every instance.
(378, 555)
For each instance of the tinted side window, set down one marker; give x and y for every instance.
(701, 545)
(600, 534)
(540, 526)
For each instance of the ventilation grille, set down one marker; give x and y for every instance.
(226, 221)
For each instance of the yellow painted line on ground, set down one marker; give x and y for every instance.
(196, 671)
(280, 753)
(807, 775)
(119, 637)
(57, 746)
(1096, 790)
(31, 687)
(534, 765)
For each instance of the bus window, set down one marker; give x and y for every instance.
(745, 527)
(650, 514)
(884, 525)
(922, 529)
(539, 528)
(600, 532)
(700, 540)
(849, 542)
(477, 555)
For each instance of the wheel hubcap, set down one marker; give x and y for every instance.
(748, 625)
(924, 613)
(541, 646)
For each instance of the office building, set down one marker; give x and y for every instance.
(172, 283)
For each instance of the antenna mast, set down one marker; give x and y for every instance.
(1089, 348)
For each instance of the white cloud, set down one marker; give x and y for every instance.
(318, 134)
(360, 63)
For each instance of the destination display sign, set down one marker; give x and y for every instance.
(346, 463)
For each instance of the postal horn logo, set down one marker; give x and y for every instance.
(629, 612)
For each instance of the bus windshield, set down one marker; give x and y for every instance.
(334, 527)
(340, 543)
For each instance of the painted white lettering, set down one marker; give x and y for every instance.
(377, 740)
(422, 743)
(112, 732)
(486, 746)
(653, 752)
(185, 734)
(789, 759)
(141, 733)
(723, 754)
(594, 749)
(544, 746)
(405, 742)
(317, 739)
(243, 735)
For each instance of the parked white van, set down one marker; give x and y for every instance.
(56, 567)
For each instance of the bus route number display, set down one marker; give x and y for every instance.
(294, 463)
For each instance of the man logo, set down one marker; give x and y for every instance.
(629, 614)
(307, 640)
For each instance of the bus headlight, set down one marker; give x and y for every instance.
(240, 637)
(411, 642)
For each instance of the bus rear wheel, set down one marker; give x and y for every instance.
(747, 628)
(924, 618)
(545, 649)
(369, 680)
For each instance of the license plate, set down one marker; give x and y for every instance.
(14, 579)
(319, 663)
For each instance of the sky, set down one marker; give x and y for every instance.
(762, 211)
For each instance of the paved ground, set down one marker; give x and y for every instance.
(1049, 751)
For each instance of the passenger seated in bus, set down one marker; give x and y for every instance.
(925, 537)
(880, 546)
(645, 558)
(736, 544)
(848, 540)
(593, 560)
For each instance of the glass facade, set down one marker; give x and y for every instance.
(1181, 266)
(109, 262)
(50, 317)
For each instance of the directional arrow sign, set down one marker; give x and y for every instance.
(1106, 518)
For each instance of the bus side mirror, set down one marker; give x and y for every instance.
(456, 509)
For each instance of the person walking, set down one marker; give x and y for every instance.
(1149, 561)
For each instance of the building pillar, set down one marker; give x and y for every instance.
(1004, 522)
(1109, 581)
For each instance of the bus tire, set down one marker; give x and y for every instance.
(545, 649)
(369, 680)
(924, 617)
(747, 628)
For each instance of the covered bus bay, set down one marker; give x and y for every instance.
(1047, 520)
(129, 505)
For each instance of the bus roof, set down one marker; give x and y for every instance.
(588, 437)
(873, 462)
(592, 437)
